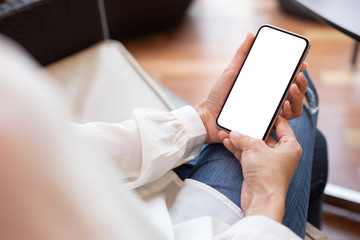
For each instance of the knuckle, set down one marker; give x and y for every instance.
(297, 114)
(237, 155)
(295, 146)
(298, 150)
(254, 142)
(304, 80)
(300, 112)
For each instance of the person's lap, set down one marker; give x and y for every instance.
(218, 168)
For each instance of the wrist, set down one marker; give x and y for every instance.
(202, 113)
(272, 206)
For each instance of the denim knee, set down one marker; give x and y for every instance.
(218, 168)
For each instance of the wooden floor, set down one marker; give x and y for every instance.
(189, 59)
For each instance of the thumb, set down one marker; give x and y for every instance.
(243, 142)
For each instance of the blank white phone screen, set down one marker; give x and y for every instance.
(262, 81)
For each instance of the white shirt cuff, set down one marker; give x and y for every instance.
(259, 227)
(194, 128)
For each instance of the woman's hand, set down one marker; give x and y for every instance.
(267, 168)
(210, 108)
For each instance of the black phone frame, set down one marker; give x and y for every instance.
(283, 98)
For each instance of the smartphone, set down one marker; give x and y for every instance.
(262, 84)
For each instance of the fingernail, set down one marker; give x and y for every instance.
(234, 134)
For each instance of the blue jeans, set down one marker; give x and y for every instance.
(218, 168)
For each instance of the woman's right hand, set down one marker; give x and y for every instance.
(267, 168)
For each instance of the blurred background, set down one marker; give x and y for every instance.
(186, 44)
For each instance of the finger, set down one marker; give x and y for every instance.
(271, 142)
(301, 82)
(242, 52)
(292, 107)
(286, 111)
(304, 66)
(238, 154)
(283, 128)
(297, 99)
(229, 75)
(239, 141)
(222, 135)
(227, 143)
(287, 137)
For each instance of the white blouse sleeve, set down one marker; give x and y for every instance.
(150, 144)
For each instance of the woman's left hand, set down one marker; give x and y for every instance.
(211, 106)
